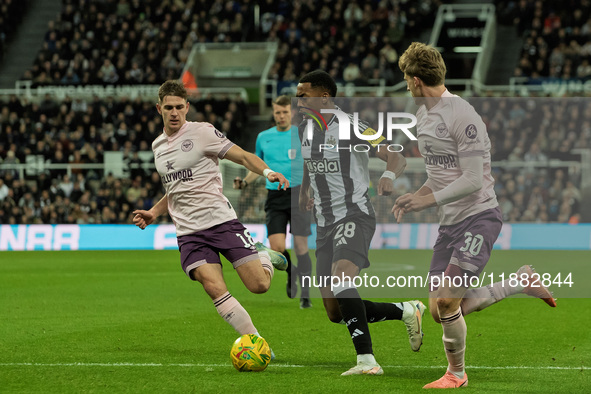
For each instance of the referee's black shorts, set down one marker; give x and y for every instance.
(281, 207)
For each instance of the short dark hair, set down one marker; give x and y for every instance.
(172, 88)
(282, 100)
(321, 79)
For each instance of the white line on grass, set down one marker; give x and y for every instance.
(275, 365)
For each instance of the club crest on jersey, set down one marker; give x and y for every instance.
(441, 130)
(331, 140)
(186, 145)
(471, 131)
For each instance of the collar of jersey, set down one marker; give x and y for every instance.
(175, 135)
(335, 119)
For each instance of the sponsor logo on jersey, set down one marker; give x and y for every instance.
(434, 160)
(219, 134)
(182, 175)
(431, 159)
(471, 131)
(186, 145)
(323, 166)
(169, 166)
(441, 130)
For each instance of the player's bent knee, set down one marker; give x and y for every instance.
(259, 287)
(214, 290)
(445, 304)
(334, 317)
(435, 315)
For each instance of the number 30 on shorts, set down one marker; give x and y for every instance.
(246, 238)
(473, 243)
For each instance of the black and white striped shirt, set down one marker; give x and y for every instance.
(339, 176)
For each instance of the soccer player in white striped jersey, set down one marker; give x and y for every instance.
(336, 183)
(454, 142)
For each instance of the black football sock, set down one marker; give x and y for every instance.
(290, 287)
(304, 269)
(353, 311)
(380, 311)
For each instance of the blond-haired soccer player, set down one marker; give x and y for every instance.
(454, 142)
(187, 158)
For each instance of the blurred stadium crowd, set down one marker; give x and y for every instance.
(11, 14)
(557, 38)
(147, 42)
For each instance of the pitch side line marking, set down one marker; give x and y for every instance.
(273, 365)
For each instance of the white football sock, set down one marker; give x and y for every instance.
(232, 312)
(266, 262)
(454, 341)
(367, 359)
(483, 297)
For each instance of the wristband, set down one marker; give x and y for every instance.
(267, 171)
(244, 183)
(389, 175)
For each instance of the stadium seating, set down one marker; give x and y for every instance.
(132, 42)
(557, 39)
(79, 132)
(11, 14)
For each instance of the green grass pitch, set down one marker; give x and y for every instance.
(131, 321)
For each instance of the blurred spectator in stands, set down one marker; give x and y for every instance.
(352, 73)
(534, 154)
(66, 186)
(3, 190)
(70, 78)
(108, 72)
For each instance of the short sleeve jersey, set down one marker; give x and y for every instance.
(449, 130)
(281, 151)
(188, 164)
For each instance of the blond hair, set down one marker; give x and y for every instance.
(424, 62)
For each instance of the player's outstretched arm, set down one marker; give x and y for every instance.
(144, 218)
(395, 165)
(469, 182)
(304, 201)
(240, 183)
(255, 164)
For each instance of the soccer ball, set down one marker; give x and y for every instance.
(250, 353)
